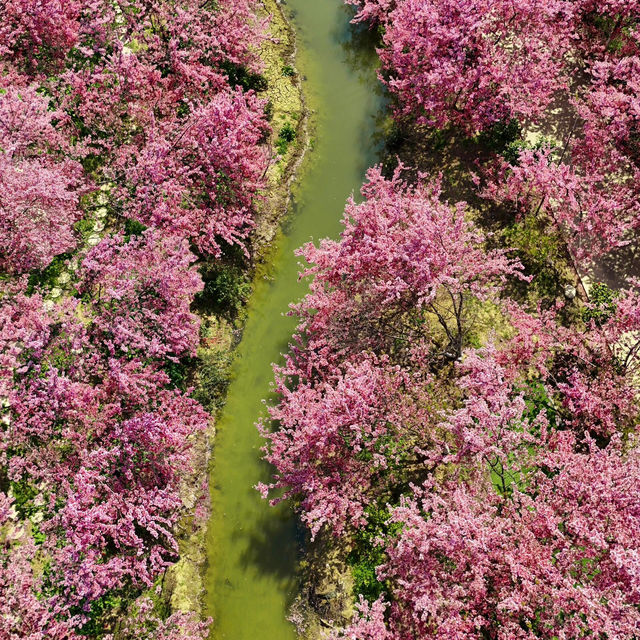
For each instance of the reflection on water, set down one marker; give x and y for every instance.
(252, 548)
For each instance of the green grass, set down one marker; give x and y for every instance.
(286, 136)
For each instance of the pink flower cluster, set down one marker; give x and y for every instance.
(130, 118)
(474, 65)
(509, 471)
(506, 462)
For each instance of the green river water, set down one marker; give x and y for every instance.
(252, 547)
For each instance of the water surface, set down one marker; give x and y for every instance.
(251, 546)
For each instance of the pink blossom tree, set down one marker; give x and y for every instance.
(199, 178)
(474, 64)
(388, 302)
(403, 256)
(39, 187)
(150, 101)
(527, 525)
(103, 446)
(140, 292)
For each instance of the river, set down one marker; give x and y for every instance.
(252, 547)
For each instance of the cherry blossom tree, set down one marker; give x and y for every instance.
(557, 559)
(474, 64)
(199, 178)
(140, 292)
(26, 611)
(102, 446)
(179, 626)
(403, 256)
(527, 524)
(153, 103)
(388, 303)
(39, 187)
(39, 35)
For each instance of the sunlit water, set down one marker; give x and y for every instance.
(252, 547)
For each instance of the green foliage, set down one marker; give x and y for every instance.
(132, 228)
(91, 162)
(226, 288)
(183, 109)
(366, 555)
(46, 278)
(511, 153)
(500, 136)
(36, 533)
(240, 76)
(537, 401)
(285, 137)
(84, 226)
(102, 609)
(512, 472)
(608, 25)
(538, 248)
(60, 358)
(602, 304)
(179, 372)
(288, 71)
(268, 110)
(214, 376)
(23, 494)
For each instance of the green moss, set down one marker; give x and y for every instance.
(367, 555)
(285, 137)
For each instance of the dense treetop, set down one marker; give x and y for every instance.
(477, 454)
(128, 150)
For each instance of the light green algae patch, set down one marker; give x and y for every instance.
(284, 93)
(289, 121)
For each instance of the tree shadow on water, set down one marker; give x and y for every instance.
(358, 43)
(274, 543)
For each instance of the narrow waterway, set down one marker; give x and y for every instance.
(251, 546)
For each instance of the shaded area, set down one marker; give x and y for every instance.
(618, 267)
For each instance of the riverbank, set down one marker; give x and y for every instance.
(183, 584)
